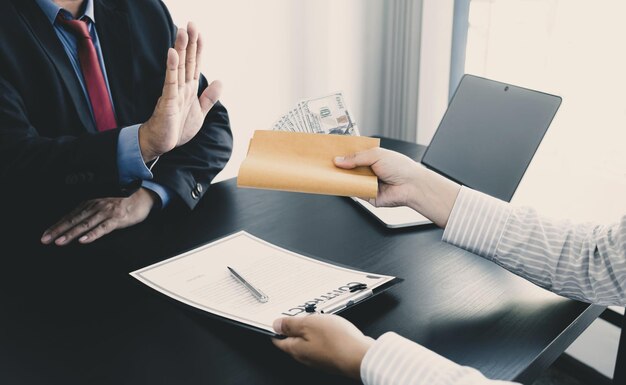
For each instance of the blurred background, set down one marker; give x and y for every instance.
(398, 62)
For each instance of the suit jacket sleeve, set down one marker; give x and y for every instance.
(189, 169)
(78, 167)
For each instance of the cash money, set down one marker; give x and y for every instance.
(325, 115)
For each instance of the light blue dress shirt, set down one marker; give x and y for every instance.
(130, 163)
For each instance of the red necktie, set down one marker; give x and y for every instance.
(92, 73)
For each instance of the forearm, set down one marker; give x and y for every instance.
(81, 167)
(433, 195)
(77, 167)
(584, 262)
(188, 170)
(395, 360)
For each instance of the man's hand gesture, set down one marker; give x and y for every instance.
(179, 113)
(93, 219)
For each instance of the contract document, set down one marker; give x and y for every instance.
(294, 285)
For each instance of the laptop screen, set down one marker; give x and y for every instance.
(489, 135)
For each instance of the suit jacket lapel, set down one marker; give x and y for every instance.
(44, 32)
(114, 34)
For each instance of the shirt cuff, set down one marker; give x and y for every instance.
(393, 359)
(130, 163)
(477, 222)
(163, 192)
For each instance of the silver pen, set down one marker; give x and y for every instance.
(257, 293)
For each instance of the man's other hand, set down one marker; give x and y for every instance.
(179, 113)
(327, 342)
(95, 218)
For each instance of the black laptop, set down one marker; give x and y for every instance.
(486, 140)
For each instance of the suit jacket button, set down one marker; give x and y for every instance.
(199, 187)
(71, 179)
(194, 194)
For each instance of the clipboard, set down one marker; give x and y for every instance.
(198, 280)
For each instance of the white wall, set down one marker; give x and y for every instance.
(434, 79)
(270, 54)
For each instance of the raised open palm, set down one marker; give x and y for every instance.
(179, 112)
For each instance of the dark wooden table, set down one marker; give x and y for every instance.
(74, 316)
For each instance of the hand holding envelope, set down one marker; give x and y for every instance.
(303, 162)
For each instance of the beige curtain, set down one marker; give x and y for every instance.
(400, 68)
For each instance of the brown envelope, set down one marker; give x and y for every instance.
(302, 162)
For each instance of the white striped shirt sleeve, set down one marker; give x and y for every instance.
(395, 360)
(585, 262)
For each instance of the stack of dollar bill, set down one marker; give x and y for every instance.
(325, 115)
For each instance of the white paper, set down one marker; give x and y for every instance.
(394, 217)
(200, 278)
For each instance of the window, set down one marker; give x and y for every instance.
(574, 49)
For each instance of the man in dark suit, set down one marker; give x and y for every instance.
(101, 122)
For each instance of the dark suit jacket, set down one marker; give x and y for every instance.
(51, 155)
